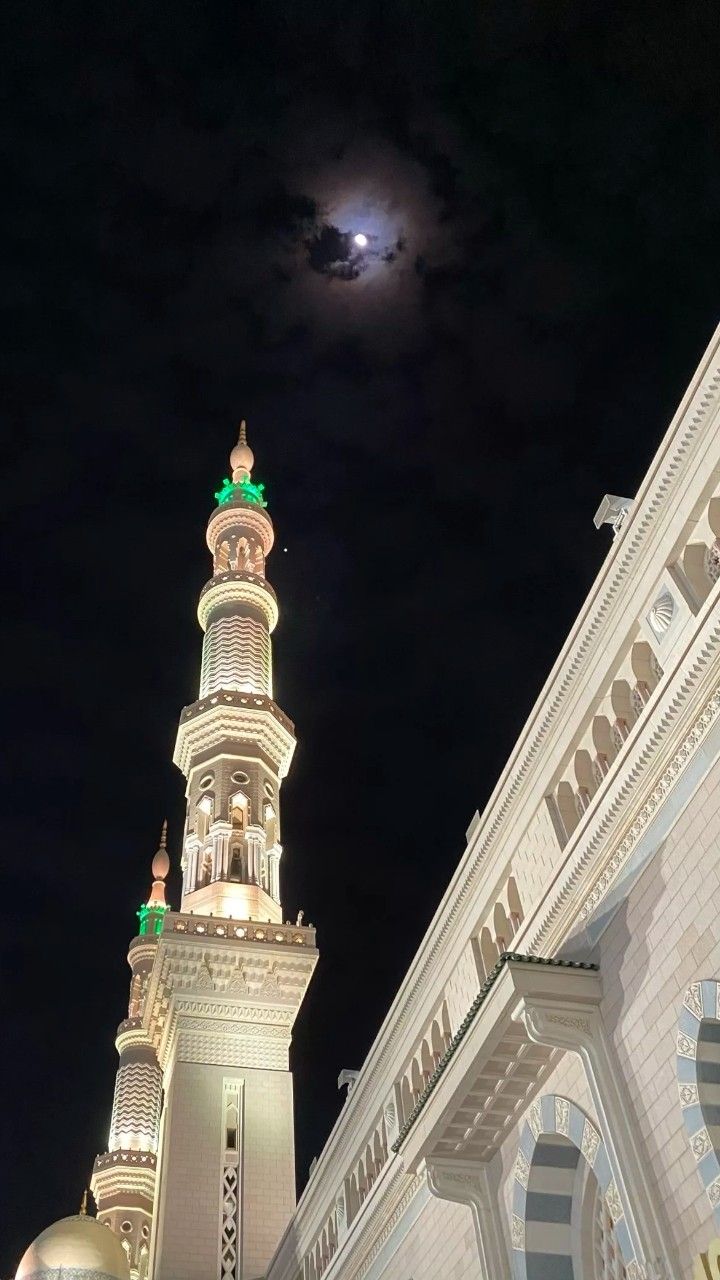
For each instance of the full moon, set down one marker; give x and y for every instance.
(360, 240)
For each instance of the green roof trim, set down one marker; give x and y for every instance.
(151, 916)
(467, 1021)
(245, 490)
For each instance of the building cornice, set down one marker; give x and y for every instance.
(686, 459)
(236, 717)
(237, 586)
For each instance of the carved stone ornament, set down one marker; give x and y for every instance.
(522, 1169)
(693, 1000)
(614, 1203)
(517, 1232)
(661, 614)
(590, 1142)
(562, 1116)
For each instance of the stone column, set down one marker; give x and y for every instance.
(466, 1182)
(581, 1031)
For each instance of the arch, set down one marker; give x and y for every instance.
(239, 807)
(560, 1147)
(501, 927)
(426, 1059)
(353, 1199)
(698, 1072)
(488, 950)
(582, 765)
(406, 1099)
(270, 825)
(445, 1024)
(644, 664)
(565, 801)
(378, 1151)
(204, 816)
(416, 1079)
(696, 563)
(236, 863)
(242, 555)
(514, 904)
(436, 1041)
(222, 558)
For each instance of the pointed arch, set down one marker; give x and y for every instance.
(698, 1072)
(561, 1156)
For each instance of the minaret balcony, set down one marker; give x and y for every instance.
(237, 514)
(238, 586)
(233, 716)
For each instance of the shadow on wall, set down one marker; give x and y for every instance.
(626, 963)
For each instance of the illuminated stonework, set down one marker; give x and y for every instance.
(199, 1176)
(542, 1098)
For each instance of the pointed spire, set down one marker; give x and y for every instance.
(160, 868)
(242, 457)
(83, 1204)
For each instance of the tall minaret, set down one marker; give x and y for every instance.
(222, 979)
(123, 1181)
(235, 745)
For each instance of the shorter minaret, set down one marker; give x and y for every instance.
(123, 1181)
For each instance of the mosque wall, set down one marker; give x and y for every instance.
(550, 1068)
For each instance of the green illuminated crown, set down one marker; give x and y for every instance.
(243, 489)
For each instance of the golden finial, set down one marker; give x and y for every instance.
(242, 457)
(83, 1204)
(160, 863)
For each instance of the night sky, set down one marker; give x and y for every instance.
(435, 420)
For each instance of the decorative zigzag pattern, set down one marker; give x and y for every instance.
(236, 655)
(136, 1107)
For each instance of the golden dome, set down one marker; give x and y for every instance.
(74, 1246)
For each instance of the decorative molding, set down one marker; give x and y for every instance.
(390, 1224)
(238, 587)
(649, 809)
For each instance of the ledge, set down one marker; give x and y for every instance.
(507, 961)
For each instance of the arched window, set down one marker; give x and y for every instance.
(270, 826)
(222, 558)
(206, 869)
(239, 811)
(236, 863)
(568, 1217)
(488, 950)
(501, 926)
(242, 557)
(203, 817)
(514, 904)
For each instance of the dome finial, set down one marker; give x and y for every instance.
(160, 867)
(83, 1204)
(242, 457)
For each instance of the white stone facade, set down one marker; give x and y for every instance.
(542, 1101)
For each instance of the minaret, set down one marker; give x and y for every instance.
(219, 983)
(235, 745)
(123, 1181)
